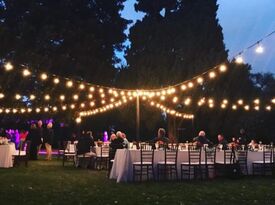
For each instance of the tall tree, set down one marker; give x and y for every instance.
(174, 41)
(66, 37)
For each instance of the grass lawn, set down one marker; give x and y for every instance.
(46, 182)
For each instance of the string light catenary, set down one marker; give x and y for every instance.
(103, 98)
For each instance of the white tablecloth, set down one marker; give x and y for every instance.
(6, 152)
(122, 169)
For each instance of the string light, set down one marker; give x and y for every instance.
(78, 120)
(26, 72)
(37, 110)
(43, 76)
(223, 68)
(200, 80)
(54, 108)
(234, 107)
(190, 85)
(69, 84)
(171, 111)
(56, 80)
(8, 66)
(81, 86)
(239, 60)
(62, 97)
(32, 97)
(259, 49)
(2, 95)
(92, 89)
(246, 107)
(268, 108)
(47, 97)
(240, 101)
(17, 96)
(256, 101)
(75, 97)
(212, 74)
(72, 106)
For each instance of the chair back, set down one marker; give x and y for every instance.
(104, 150)
(267, 154)
(171, 154)
(229, 156)
(28, 148)
(70, 148)
(210, 155)
(146, 146)
(194, 154)
(241, 156)
(147, 154)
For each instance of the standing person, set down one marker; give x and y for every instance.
(22, 137)
(48, 140)
(32, 137)
(39, 137)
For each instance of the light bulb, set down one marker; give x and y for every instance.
(56, 80)
(69, 84)
(43, 76)
(26, 72)
(239, 60)
(8, 66)
(223, 68)
(62, 97)
(212, 74)
(81, 86)
(2, 95)
(259, 49)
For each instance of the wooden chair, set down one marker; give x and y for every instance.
(69, 154)
(144, 167)
(264, 167)
(224, 167)
(168, 168)
(241, 157)
(102, 158)
(192, 168)
(23, 153)
(209, 162)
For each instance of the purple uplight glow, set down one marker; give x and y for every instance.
(105, 136)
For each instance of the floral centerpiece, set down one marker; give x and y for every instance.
(4, 141)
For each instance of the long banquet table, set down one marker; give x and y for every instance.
(122, 169)
(6, 152)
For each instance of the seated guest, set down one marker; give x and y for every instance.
(253, 145)
(201, 139)
(222, 143)
(125, 140)
(161, 139)
(116, 143)
(234, 144)
(85, 144)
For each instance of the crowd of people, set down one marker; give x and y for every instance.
(223, 144)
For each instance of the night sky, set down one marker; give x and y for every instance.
(244, 22)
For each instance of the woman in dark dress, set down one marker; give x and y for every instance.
(32, 137)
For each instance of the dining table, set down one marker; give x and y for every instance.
(122, 169)
(6, 155)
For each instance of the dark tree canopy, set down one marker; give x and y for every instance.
(174, 41)
(66, 37)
